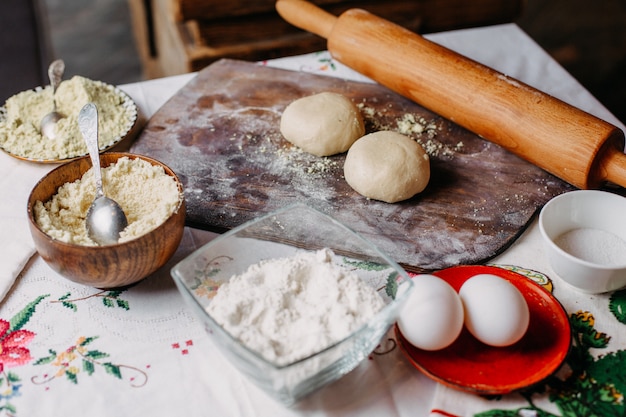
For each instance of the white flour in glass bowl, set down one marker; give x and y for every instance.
(289, 308)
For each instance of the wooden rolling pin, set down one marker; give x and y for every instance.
(565, 141)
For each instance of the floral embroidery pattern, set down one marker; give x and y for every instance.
(77, 357)
(11, 385)
(538, 277)
(391, 285)
(617, 305)
(326, 61)
(14, 353)
(203, 285)
(588, 384)
(109, 299)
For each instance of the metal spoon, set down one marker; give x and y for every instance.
(49, 121)
(105, 218)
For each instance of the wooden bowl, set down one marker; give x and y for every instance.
(108, 266)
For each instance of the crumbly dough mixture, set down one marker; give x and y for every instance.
(20, 128)
(146, 193)
(289, 308)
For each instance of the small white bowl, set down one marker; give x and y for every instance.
(585, 238)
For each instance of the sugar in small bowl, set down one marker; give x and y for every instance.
(585, 239)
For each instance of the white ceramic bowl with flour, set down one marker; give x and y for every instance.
(585, 238)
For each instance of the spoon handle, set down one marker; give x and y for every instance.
(88, 125)
(55, 73)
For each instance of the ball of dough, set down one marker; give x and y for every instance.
(387, 166)
(322, 124)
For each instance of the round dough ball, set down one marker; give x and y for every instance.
(387, 166)
(322, 124)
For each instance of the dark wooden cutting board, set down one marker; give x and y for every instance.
(220, 134)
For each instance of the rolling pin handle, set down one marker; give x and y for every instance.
(613, 165)
(307, 16)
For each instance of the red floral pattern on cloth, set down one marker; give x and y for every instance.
(13, 351)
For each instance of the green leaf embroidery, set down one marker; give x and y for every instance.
(70, 362)
(71, 376)
(329, 62)
(392, 285)
(109, 299)
(366, 265)
(13, 378)
(69, 305)
(608, 370)
(46, 359)
(9, 407)
(88, 367)
(22, 317)
(112, 369)
(586, 335)
(500, 413)
(96, 354)
(114, 294)
(88, 340)
(617, 305)
(214, 272)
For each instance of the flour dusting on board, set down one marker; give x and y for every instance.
(274, 156)
(220, 134)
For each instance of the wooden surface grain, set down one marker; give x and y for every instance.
(220, 134)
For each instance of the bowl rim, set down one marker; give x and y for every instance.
(30, 203)
(129, 105)
(552, 244)
(395, 303)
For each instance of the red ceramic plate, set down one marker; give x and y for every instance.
(470, 365)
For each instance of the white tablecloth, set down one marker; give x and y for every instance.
(68, 349)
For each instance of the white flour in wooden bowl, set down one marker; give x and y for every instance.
(146, 193)
(289, 308)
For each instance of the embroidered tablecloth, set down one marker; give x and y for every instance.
(70, 350)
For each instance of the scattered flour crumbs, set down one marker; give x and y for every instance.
(423, 131)
(146, 193)
(289, 308)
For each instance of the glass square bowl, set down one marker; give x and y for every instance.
(283, 234)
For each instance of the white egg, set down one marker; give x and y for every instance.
(432, 317)
(496, 313)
